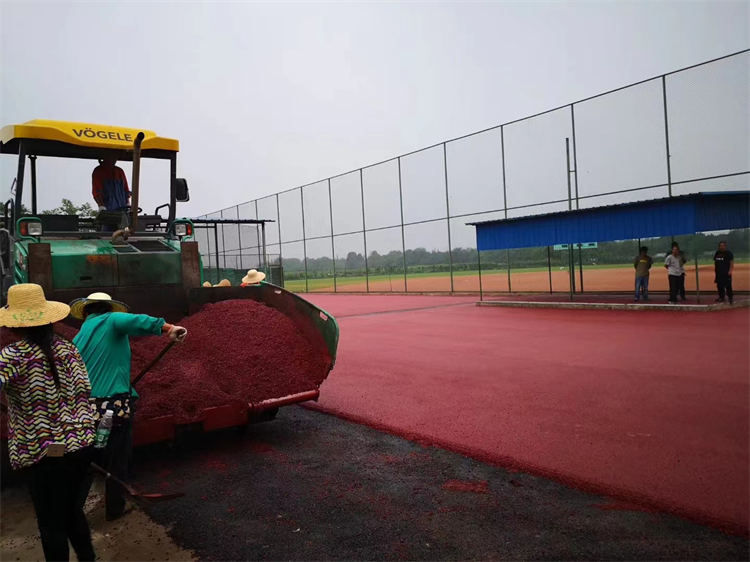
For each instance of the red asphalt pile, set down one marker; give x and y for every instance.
(236, 352)
(648, 407)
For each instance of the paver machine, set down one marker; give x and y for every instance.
(150, 261)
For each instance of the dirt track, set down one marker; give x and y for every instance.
(607, 280)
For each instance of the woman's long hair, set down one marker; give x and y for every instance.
(43, 336)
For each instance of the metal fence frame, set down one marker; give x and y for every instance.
(573, 199)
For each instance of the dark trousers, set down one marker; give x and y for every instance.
(59, 486)
(115, 458)
(724, 284)
(682, 286)
(674, 287)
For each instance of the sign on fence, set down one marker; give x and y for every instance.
(582, 246)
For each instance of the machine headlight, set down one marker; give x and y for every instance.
(30, 227)
(35, 229)
(181, 229)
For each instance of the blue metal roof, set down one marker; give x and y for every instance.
(685, 214)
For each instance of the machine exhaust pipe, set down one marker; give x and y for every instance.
(135, 183)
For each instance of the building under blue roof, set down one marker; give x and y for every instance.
(671, 216)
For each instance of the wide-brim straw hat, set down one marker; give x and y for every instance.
(224, 283)
(77, 306)
(253, 276)
(27, 307)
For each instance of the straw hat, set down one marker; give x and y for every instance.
(224, 283)
(27, 307)
(253, 276)
(77, 306)
(207, 284)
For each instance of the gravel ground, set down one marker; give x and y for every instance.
(132, 537)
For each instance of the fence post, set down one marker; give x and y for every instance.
(448, 213)
(304, 238)
(505, 196)
(333, 248)
(479, 264)
(403, 238)
(580, 264)
(364, 229)
(278, 224)
(575, 155)
(507, 258)
(216, 249)
(261, 251)
(571, 258)
(239, 236)
(666, 133)
(223, 242)
(266, 267)
(549, 269)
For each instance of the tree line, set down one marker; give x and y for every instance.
(418, 260)
(67, 207)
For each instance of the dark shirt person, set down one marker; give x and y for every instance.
(723, 268)
(109, 186)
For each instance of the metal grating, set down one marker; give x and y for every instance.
(150, 246)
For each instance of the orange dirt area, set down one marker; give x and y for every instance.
(612, 280)
(616, 279)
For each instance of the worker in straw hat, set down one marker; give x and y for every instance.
(104, 343)
(51, 427)
(253, 277)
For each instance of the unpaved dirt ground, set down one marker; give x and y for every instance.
(133, 537)
(615, 279)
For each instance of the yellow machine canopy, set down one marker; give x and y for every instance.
(65, 138)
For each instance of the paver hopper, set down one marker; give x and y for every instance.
(317, 326)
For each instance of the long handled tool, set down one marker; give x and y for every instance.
(132, 492)
(153, 362)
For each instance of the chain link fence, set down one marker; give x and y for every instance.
(401, 225)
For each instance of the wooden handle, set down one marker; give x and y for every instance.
(153, 362)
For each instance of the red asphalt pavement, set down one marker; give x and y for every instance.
(646, 406)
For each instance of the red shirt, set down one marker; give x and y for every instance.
(109, 186)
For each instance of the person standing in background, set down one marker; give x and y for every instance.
(642, 264)
(723, 268)
(683, 261)
(675, 271)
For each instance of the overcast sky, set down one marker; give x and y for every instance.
(264, 97)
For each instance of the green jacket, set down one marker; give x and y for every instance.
(105, 347)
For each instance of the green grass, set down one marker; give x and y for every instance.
(313, 284)
(298, 285)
